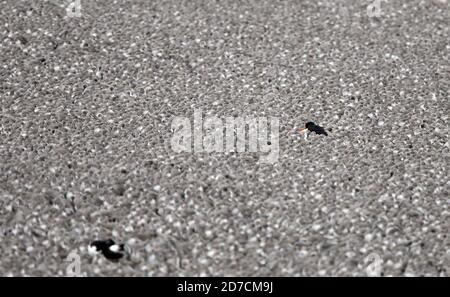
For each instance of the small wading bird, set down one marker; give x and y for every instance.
(312, 127)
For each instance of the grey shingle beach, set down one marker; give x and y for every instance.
(87, 104)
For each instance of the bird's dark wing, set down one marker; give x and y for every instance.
(320, 130)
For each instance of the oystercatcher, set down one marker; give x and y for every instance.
(312, 127)
(108, 248)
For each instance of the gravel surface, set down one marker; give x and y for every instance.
(86, 108)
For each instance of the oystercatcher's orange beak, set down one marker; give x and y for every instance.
(303, 129)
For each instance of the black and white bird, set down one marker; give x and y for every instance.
(312, 127)
(109, 249)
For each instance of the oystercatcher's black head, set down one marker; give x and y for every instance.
(309, 125)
